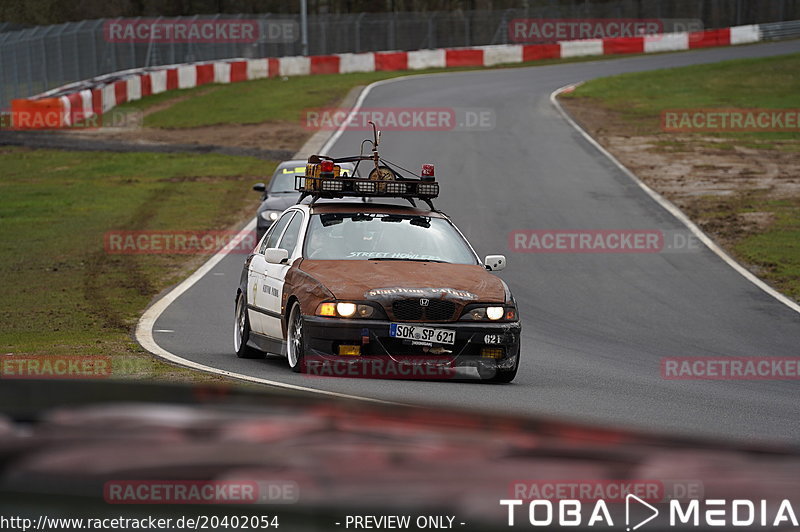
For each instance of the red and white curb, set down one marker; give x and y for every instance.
(77, 102)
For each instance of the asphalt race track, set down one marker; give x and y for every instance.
(595, 326)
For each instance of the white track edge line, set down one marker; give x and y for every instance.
(669, 206)
(144, 327)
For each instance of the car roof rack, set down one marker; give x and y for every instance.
(324, 178)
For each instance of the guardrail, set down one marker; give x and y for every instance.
(774, 31)
(33, 60)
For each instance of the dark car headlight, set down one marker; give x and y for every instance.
(270, 215)
(490, 313)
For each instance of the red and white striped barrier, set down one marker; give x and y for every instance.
(61, 107)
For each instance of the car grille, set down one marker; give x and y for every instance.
(411, 310)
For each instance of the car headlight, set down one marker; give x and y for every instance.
(270, 216)
(490, 313)
(345, 309)
(495, 313)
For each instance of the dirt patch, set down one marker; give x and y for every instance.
(690, 170)
(166, 104)
(273, 136)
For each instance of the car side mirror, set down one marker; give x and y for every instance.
(276, 255)
(260, 187)
(495, 263)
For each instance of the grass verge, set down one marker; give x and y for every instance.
(277, 99)
(64, 294)
(752, 206)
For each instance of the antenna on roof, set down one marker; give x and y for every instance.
(323, 178)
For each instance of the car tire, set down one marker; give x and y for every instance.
(241, 331)
(295, 345)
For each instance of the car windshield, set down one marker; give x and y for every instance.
(385, 237)
(283, 179)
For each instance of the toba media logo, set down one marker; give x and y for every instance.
(638, 513)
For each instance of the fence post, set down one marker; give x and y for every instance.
(78, 58)
(93, 40)
(391, 41)
(358, 31)
(431, 31)
(150, 46)
(44, 59)
(3, 81)
(59, 42)
(114, 53)
(132, 49)
(304, 27)
(17, 82)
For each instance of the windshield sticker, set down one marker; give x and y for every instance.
(379, 293)
(296, 170)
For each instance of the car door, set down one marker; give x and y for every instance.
(257, 297)
(276, 275)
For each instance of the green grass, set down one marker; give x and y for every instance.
(63, 293)
(639, 98)
(276, 99)
(773, 253)
(777, 250)
(253, 102)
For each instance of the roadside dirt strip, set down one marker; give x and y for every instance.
(57, 141)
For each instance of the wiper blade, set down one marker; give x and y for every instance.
(414, 260)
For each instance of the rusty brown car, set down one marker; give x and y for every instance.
(339, 282)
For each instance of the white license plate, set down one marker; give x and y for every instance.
(422, 334)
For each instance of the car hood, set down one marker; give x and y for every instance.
(369, 279)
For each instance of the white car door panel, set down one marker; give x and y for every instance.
(261, 290)
(276, 276)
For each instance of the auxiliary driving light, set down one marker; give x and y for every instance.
(428, 189)
(350, 350)
(345, 309)
(396, 188)
(327, 309)
(331, 185)
(365, 187)
(492, 352)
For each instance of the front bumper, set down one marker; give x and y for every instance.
(323, 336)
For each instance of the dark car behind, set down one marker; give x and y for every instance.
(280, 194)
